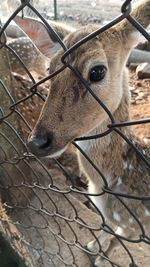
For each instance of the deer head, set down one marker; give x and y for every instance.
(70, 111)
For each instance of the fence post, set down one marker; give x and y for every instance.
(55, 10)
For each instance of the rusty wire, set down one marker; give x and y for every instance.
(12, 191)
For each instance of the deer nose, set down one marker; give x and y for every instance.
(40, 145)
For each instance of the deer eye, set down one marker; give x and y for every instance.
(97, 73)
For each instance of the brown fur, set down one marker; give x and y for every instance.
(70, 113)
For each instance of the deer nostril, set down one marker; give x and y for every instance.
(45, 143)
(40, 146)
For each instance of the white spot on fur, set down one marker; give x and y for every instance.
(131, 167)
(116, 216)
(143, 151)
(131, 220)
(146, 140)
(119, 180)
(125, 165)
(119, 231)
(124, 226)
(147, 213)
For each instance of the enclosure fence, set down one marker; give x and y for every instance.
(49, 208)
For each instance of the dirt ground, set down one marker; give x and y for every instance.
(83, 12)
(140, 105)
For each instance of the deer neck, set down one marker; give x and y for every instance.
(107, 152)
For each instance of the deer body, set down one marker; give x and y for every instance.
(107, 161)
(29, 54)
(118, 164)
(70, 112)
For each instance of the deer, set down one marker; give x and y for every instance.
(70, 112)
(36, 60)
(29, 55)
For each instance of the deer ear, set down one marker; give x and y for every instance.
(141, 13)
(46, 42)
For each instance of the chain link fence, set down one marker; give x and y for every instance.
(46, 213)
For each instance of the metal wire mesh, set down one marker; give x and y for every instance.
(48, 206)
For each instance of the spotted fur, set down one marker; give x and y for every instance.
(125, 172)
